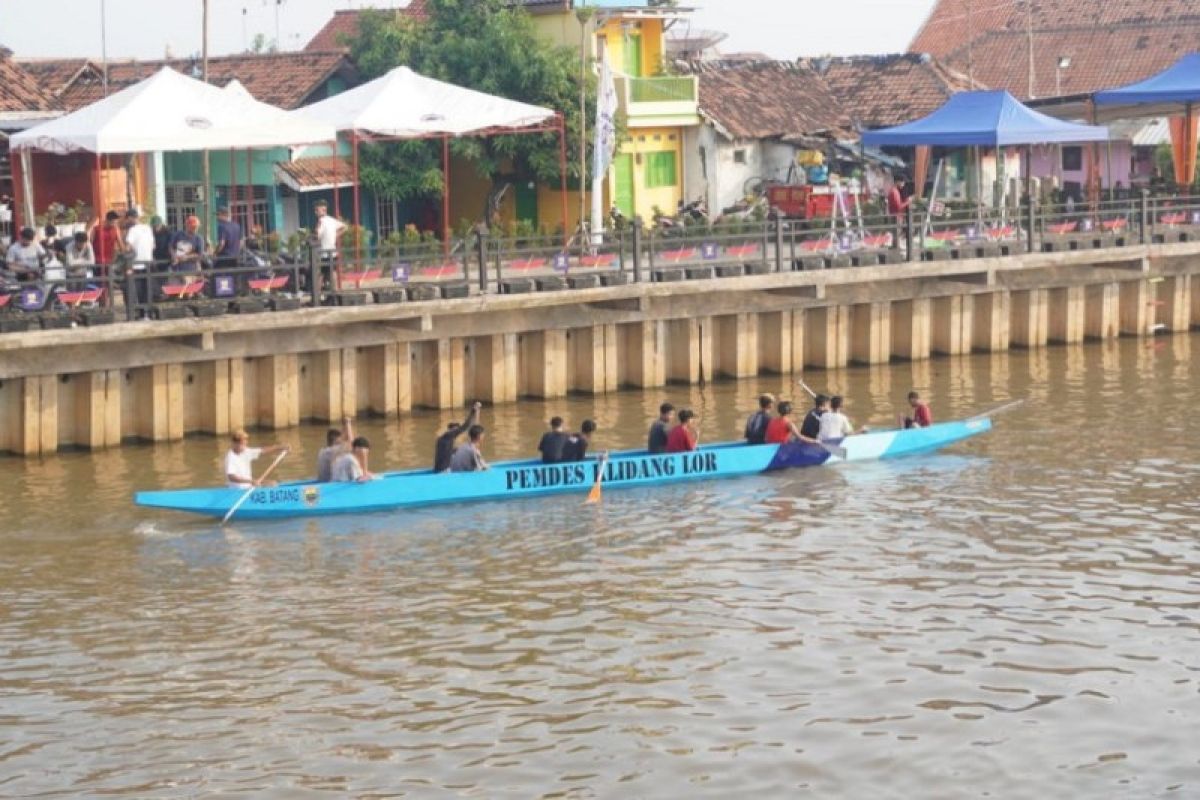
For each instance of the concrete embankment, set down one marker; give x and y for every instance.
(157, 381)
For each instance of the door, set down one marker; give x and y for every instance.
(633, 54)
(526, 201)
(623, 184)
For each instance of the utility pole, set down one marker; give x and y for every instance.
(970, 47)
(103, 48)
(1029, 38)
(584, 15)
(207, 160)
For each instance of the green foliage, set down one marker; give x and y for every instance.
(489, 46)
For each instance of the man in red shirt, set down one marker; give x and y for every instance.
(896, 201)
(922, 417)
(684, 437)
(107, 241)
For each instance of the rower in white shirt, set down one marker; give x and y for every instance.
(835, 425)
(239, 472)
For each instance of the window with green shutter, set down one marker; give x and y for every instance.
(660, 169)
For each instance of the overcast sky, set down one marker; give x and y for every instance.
(146, 28)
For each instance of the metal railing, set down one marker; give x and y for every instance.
(662, 90)
(482, 263)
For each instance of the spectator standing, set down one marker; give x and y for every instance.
(106, 240)
(897, 203)
(139, 237)
(186, 247)
(79, 258)
(229, 240)
(327, 231)
(162, 240)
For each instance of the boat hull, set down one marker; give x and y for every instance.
(532, 478)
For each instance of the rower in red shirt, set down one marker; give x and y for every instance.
(921, 417)
(684, 437)
(781, 429)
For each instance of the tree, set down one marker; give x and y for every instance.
(487, 45)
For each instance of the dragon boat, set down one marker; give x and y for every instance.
(509, 479)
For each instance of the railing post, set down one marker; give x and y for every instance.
(481, 254)
(637, 249)
(1144, 216)
(1030, 221)
(314, 278)
(910, 252)
(131, 298)
(778, 242)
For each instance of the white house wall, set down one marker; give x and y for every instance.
(712, 170)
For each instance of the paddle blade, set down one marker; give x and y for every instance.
(594, 496)
(836, 450)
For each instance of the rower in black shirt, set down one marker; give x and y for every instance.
(577, 445)
(444, 450)
(552, 443)
(756, 426)
(811, 427)
(656, 442)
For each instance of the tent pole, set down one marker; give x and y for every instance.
(357, 218)
(445, 196)
(337, 204)
(562, 175)
(232, 182)
(249, 195)
(27, 200)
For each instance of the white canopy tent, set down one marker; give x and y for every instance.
(405, 105)
(168, 112)
(171, 112)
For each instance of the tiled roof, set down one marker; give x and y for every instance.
(343, 25)
(19, 91)
(1109, 42)
(768, 99)
(56, 74)
(878, 91)
(286, 80)
(309, 174)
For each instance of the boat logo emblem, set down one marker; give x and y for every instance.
(312, 495)
(200, 123)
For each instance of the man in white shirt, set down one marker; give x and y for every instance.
(327, 231)
(140, 238)
(835, 426)
(352, 467)
(239, 473)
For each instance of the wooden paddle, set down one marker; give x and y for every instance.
(595, 493)
(253, 486)
(998, 410)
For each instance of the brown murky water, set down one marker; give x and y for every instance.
(1016, 617)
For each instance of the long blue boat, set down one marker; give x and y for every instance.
(510, 479)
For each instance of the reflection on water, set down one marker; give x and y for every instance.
(1016, 617)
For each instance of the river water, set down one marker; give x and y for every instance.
(1018, 616)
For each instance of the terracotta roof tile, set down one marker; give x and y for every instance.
(307, 174)
(1110, 43)
(286, 80)
(768, 99)
(55, 74)
(343, 25)
(19, 91)
(879, 91)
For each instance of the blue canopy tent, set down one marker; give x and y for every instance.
(1173, 92)
(984, 119)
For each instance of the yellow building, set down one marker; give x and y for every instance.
(647, 172)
